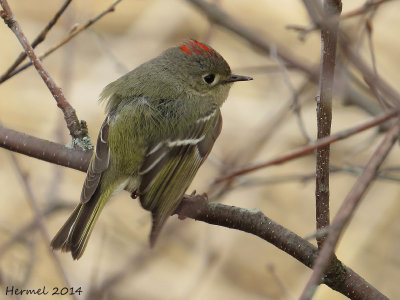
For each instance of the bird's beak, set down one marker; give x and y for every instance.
(234, 78)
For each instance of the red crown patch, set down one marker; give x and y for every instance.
(193, 46)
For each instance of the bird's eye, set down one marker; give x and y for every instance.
(209, 78)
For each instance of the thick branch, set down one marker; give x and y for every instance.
(338, 276)
(44, 150)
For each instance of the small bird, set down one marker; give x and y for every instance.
(162, 121)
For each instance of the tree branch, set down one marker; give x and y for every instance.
(44, 150)
(69, 37)
(251, 221)
(332, 11)
(302, 151)
(78, 130)
(338, 276)
(40, 38)
(363, 9)
(346, 211)
(370, 77)
(79, 160)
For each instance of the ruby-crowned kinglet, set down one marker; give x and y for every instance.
(163, 119)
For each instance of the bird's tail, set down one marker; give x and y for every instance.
(74, 234)
(158, 223)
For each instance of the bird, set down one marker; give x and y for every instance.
(162, 121)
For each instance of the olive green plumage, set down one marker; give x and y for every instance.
(162, 121)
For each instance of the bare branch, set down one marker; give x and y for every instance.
(266, 130)
(70, 36)
(332, 11)
(44, 150)
(338, 276)
(255, 222)
(363, 9)
(295, 94)
(312, 146)
(79, 160)
(369, 76)
(315, 11)
(40, 38)
(77, 129)
(250, 221)
(346, 211)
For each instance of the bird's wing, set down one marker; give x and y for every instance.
(170, 166)
(98, 164)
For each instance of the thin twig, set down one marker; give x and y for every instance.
(40, 38)
(302, 151)
(360, 95)
(66, 80)
(369, 76)
(71, 35)
(303, 178)
(279, 281)
(120, 67)
(369, 29)
(78, 130)
(302, 30)
(294, 93)
(266, 130)
(346, 211)
(363, 9)
(315, 11)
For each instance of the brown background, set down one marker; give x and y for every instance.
(192, 260)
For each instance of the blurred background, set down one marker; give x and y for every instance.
(194, 260)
